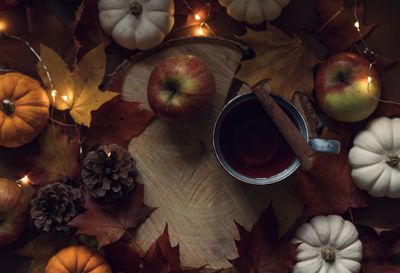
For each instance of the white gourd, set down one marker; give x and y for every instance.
(328, 244)
(374, 158)
(137, 24)
(254, 11)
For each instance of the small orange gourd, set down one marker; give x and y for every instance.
(24, 109)
(77, 259)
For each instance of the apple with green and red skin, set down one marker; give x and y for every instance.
(14, 211)
(180, 88)
(346, 88)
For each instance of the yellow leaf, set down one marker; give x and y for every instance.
(77, 90)
(286, 61)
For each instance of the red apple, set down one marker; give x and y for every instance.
(346, 88)
(180, 88)
(14, 211)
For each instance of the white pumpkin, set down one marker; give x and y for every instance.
(374, 158)
(328, 244)
(137, 24)
(254, 11)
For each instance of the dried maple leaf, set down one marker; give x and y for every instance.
(391, 85)
(117, 122)
(15, 55)
(378, 248)
(42, 248)
(108, 223)
(161, 257)
(77, 91)
(122, 257)
(286, 61)
(88, 32)
(58, 158)
(340, 33)
(261, 250)
(49, 30)
(328, 187)
(191, 6)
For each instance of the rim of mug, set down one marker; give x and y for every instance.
(230, 170)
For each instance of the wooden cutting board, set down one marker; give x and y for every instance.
(182, 177)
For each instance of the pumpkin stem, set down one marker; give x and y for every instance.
(328, 255)
(392, 160)
(8, 107)
(135, 8)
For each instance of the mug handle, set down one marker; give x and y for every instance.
(325, 145)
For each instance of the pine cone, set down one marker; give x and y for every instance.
(109, 173)
(54, 206)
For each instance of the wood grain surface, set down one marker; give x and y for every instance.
(182, 177)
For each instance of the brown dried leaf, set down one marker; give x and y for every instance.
(108, 223)
(286, 61)
(328, 187)
(340, 33)
(117, 122)
(59, 156)
(49, 30)
(15, 55)
(196, 5)
(42, 248)
(161, 257)
(261, 250)
(378, 248)
(88, 32)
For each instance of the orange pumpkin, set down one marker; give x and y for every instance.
(24, 109)
(77, 259)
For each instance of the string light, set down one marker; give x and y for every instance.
(4, 35)
(365, 51)
(198, 20)
(23, 181)
(65, 98)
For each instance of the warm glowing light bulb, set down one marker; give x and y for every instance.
(197, 17)
(369, 79)
(53, 93)
(200, 31)
(357, 24)
(3, 26)
(109, 154)
(25, 179)
(65, 98)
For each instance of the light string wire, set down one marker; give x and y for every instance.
(366, 51)
(53, 92)
(363, 52)
(199, 20)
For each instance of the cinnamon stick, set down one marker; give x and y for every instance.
(289, 131)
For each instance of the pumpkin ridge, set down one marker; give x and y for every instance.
(61, 263)
(24, 91)
(378, 178)
(95, 265)
(33, 126)
(150, 18)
